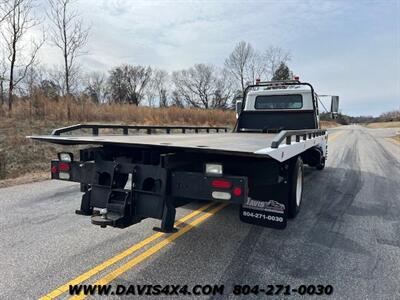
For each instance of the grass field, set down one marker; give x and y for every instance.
(383, 125)
(18, 155)
(329, 124)
(396, 138)
(22, 157)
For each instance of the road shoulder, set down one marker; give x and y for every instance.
(26, 178)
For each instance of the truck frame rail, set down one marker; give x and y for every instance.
(298, 134)
(125, 128)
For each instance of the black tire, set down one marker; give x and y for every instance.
(295, 196)
(321, 165)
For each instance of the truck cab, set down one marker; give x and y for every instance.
(275, 106)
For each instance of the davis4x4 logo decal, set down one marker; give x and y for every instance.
(265, 213)
(271, 205)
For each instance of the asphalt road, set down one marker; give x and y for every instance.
(346, 235)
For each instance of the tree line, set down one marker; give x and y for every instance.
(390, 116)
(201, 85)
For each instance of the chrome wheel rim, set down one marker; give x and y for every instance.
(299, 186)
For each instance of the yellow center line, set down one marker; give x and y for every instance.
(154, 249)
(85, 276)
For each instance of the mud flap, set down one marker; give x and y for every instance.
(270, 213)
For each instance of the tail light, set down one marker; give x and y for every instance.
(64, 167)
(61, 168)
(237, 191)
(221, 184)
(54, 170)
(225, 189)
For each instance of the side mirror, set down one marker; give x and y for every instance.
(334, 106)
(238, 107)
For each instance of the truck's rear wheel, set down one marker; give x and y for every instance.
(296, 180)
(321, 165)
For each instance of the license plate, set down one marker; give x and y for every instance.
(264, 213)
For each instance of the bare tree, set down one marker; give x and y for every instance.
(273, 57)
(5, 9)
(160, 79)
(151, 93)
(194, 85)
(48, 83)
(17, 23)
(245, 64)
(256, 67)
(176, 99)
(238, 62)
(128, 83)
(56, 74)
(390, 116)
(3, 71)
(223, 90)
(163, 94)
(200, 86)
(30, 82)
(96, 87)
(157, 89)
(68, 34)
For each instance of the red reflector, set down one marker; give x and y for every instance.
(222, 184)
(64, 166)
(237, 191)
(54, 169)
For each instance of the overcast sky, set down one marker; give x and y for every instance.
(348, 48)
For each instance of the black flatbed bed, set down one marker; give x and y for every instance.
(229, 143)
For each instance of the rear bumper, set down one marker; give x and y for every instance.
(197, 186)
(182, 184)
(127, 193)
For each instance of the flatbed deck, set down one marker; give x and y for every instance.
(228, 143)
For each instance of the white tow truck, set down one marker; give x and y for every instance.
(126, 178)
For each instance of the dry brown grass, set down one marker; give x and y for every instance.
(26, 178)
(19, 156)
(329, 124)
(70, 111)
(395, 124)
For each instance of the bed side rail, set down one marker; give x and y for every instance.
(298, 134)
(125, 128)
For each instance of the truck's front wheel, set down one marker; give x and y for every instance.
(295, 183)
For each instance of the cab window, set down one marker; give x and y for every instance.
(293, 101)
